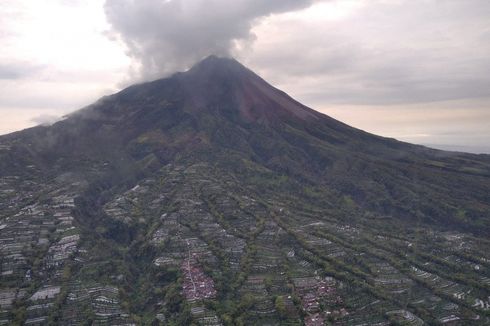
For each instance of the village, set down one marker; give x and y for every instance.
(274, 264)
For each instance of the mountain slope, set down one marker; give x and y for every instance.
(215, 175)
(220, 108)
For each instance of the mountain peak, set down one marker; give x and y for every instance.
(217, 61)
(217, 67)
(216, 78)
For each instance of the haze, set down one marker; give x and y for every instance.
(413, 70)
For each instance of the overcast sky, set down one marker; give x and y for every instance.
(416, 70)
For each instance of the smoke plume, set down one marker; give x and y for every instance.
(164, 36)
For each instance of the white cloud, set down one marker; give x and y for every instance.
(377, 52)
(165, 36)
(55, 58)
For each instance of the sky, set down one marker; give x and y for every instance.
(415, 70)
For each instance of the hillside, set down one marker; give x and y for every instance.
(211, 197)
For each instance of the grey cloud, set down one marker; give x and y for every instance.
(18, 70)
(164, 36)
(383, 53)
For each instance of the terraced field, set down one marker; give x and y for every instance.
(227, 254)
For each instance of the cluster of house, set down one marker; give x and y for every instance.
(314, 319)
(196, 284)
(319, 299)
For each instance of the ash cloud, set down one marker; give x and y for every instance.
(164, 36)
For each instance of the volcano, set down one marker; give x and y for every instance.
(211, 197)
